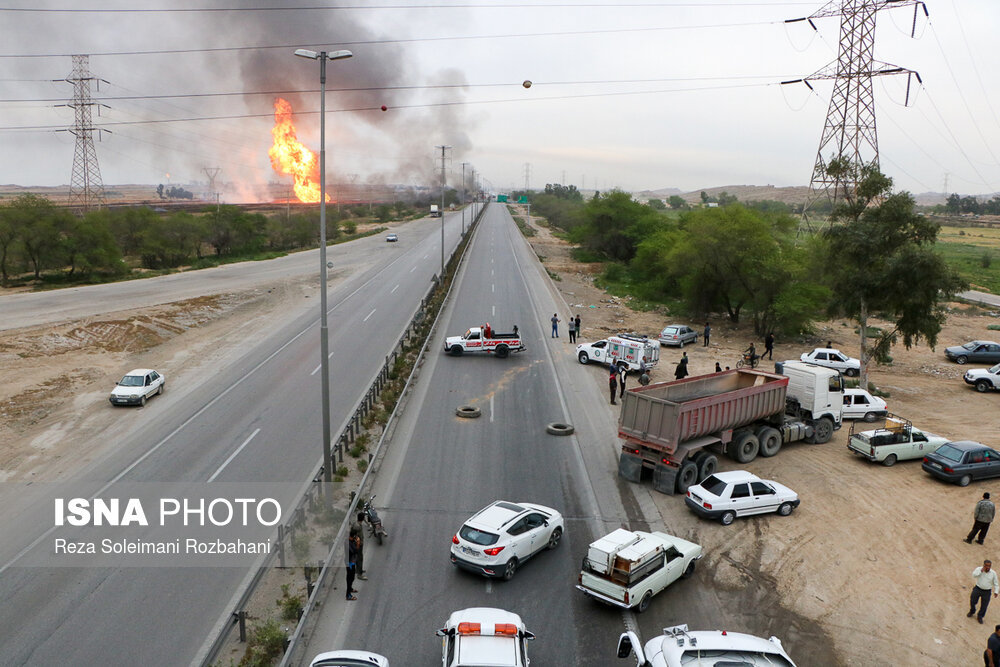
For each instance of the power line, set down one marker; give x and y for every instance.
(559, 5)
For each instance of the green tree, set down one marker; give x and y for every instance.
(881, 262)
(128, 226)
(677, 202)
(40, 226)
(614, 223)
(656, 204)
(88, 245)
(9, 236)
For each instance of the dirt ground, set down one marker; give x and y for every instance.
(873, 555)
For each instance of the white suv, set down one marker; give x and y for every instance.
(484, 637)
(502, 535)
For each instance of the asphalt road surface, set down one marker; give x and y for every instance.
(255, 421)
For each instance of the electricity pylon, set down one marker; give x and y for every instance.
(86, 190)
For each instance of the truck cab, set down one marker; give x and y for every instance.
(484, 637)
(814, 392)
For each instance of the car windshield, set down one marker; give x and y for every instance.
(970, 346)
(714, 485)
(132, 381)
(950, 452)
(480, 537)
(995, 369)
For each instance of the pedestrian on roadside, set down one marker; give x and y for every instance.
(358, 528)
(707, 335)
(352, 559)
(577, 323)
(986, 581)
(718, 368)
(829, 344)
(681, 371)
(991, 656)
(555, 325)
(769, 345)
(613, 384)
(982, 517)
(621, 381)
(572, 330)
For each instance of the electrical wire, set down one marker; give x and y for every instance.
(975, 66)
(930, 99)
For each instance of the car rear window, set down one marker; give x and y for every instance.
(714, 485)
(480, 537)
(669, 331)
(950, 452)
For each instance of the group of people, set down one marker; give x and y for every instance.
(987, 584)
(574, 326)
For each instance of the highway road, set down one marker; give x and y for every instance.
(254, 421)
(440, 469)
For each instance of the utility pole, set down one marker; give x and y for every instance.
(443, 149)
(463, 197)
(86, 190)
(849, 130)
(527, 177)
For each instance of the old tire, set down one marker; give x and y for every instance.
(727, 518)
(962, 360)
(502, 351)
(455, 350)
(644, 379)
(554, 538)
(644, 602)
(687, 476)
(689, 570)
(745, 448)
(558, 428)
(964, 480)
(468, 411)
(770, 441)
(982, 386)
(889, 461)
(822, 431)
(584, 358)
(509, 569)
(784, 509)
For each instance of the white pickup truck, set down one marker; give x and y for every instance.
(484, 339)
(898, 440)
(627, 568)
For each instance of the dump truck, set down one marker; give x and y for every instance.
(676, 429)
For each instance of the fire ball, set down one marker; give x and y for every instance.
(384, 108)
(527, 83)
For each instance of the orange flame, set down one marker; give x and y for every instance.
(289, 156)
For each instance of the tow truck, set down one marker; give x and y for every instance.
(484, 637)
(484, 339)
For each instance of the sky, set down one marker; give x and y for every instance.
(636, 96)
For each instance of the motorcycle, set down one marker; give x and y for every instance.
(748, 359)
(374, 522)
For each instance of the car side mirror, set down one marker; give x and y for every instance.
(442, 633)
(528, 635)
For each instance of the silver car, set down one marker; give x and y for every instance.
(678, 334)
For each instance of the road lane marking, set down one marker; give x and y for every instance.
(493, 287)
(369, 315)
(395, 288)
(489, 586)
(233, 456)
(494, 311)
(415, 268)
(492, 412)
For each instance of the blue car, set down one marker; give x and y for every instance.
(963, 461)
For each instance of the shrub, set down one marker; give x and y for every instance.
(342, 471)
(264, 643)
(362, 465)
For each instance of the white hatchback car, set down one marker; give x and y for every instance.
(727, 495)
(832, 358)
(137, 386)
(349, 659)
(484, 637)
(501, 536)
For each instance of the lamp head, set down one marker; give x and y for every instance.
(306, 53)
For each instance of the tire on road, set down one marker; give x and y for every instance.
(644, 602)
(584, 358)
(822, 431)
(468, 411)
(455, 350)
(558, 428)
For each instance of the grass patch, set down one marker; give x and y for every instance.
(974, 252)
(525, 228)
(584, 255)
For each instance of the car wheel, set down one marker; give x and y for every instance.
(455, 350)
(745, 449)
(687, 476)
(784, 509)
(869, 417)
(644, 602)
(770, 441)
(689, 570)
(850, 372)
(584, 358)
(727, 518)
(554, 538)
(142, 401)
(822, 431)
(509, 569)
(964, 480)
(502, 351)
(889, 461)
(982, 386)
(160, 390)
(682, 344)
(962, 360)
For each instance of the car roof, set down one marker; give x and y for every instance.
(735, 476)
(140, 371)
(968, 445)
(700, 642)
(502, 512)
(349, 658)
(485, 616)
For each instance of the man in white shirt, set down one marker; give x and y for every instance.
(986, 581)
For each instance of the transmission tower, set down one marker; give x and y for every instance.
(527, 177)
(849, 131)
(212, 173)
(86, 190)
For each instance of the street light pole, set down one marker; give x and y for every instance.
(443, 149)
(463, 197)
(324, 334)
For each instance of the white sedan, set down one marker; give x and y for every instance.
(835, 359)
(136, 386)
(349, 659)
(501, 536)
(727, 495)
(859, 404)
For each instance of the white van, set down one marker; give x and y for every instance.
(621, 350)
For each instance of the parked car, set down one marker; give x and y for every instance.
(679, 647)
(137, 386)
(623, 350)
(391, 238)
(349, 659)
(963, 461)
(983, 379)
(979, 351)
(897, 440)
(678, 334)
(859, 404)
(727, 495)
(484, 637)
(500, 537)
(832, 358)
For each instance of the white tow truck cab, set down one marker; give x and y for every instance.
(484, 637)
(678, 646)
(484, 339)
(621, 350)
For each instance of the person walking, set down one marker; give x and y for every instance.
(707, 335)
(352, 559)
(613, 384)
(555, 325)
(991, 656)
(572, 330)
(769, 345)
(982, 517)
(643, 372)
(681, 371)
(621, 381)
(577, 323)
(358, 528)
(986, 581)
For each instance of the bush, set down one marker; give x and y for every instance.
(342, 471)
(290, 605)
(985, 260)
(264, 643)
(362, 465)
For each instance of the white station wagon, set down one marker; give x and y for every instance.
(727, 495)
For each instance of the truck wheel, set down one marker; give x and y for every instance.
(455, 350)
(982, 386)
(502, 351)
(822, 431)
(687, 476)
(964, 480)
(727, 518)
(509, 569)
(889, 461)
(746, 447)
(770, 441)
(644, 602)
(784, 509)
(707, 466)
(584, 358)
(962, 360)
(689, 570)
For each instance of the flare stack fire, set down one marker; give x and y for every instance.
(290, 157)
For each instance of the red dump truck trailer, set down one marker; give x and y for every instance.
(676, 429)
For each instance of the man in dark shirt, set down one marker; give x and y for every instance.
(992, 654)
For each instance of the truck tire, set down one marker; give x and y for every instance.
(502, 351)
(745, 448)
(455, 350)
(983, 386)
(644, 602)
(687, 476)
(889, 461)
(822, 431)
(707, 464)
(584, 358)
(770, 441)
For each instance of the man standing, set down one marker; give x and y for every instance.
(986, 580)
(358, 528)
(992, 655)
(577, 322)
(555, 325)
(624, 374)
(352, 559)
(769, 345)
(718, 368)
(708, 334)
(613, 384)
(572, 330)
(982, 517)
